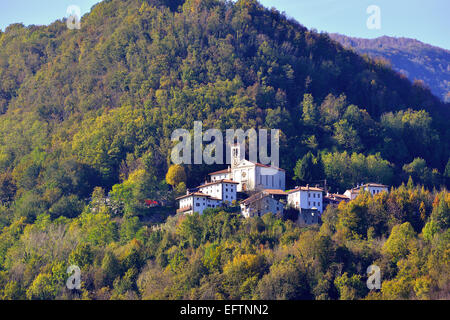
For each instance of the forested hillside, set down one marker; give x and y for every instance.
(89, 112)
(416, 60)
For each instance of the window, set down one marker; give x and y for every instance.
(309, 203)
(309, 195)
(197, 204)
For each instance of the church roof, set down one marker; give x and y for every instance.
(266, 166)
(220, 172)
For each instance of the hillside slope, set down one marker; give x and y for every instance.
(415, 59)
(83, 108)
(89, 113)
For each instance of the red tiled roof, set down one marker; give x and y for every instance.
(306, 189)
(218, 182)
(333, 196)
(275, 192)
(376, 185)
(255, 197)
(221, 171)
(198, 194)
(194, 194)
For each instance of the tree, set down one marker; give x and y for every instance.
(350, 288)
(7, 187)
(310, 110)
(398, 244)
(447, 173)
(175, 175)
(284, 282)
(42, 288)
(418, 170)
(82, 256)
(309, 169)
(441, 210)
(346, 136)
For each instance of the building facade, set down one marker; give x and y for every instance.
(224, 190)
(251, 176)
(197, 202)
(262, 203)
(306, 198)
(372, 188)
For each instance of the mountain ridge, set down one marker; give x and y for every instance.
(413, 58)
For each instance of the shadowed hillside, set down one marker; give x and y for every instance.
(414, 59)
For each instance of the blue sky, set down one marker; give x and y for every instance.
(427, 21)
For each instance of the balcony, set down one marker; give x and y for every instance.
(185, 209)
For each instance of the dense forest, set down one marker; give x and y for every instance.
(416, 60)
(85, 126)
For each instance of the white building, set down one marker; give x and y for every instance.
(372, 188)
(224, 190)
(221, 175)
(306, 198)
(197, 202)
(251, 176)
(263, 202)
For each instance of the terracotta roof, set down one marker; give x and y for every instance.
(263, 194)
(306, 189)
(337, 196)
(275, 192)
(255, 197)
(377, 185)
(198, 194)
(194, 194)
(221, 171)
(218, 182)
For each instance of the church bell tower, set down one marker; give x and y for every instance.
(236, 155)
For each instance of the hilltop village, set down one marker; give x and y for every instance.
(261, 189)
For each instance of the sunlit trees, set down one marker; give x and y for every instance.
(398, 245)
(175, 175)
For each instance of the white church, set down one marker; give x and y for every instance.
(241, 176)
(250, 176)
